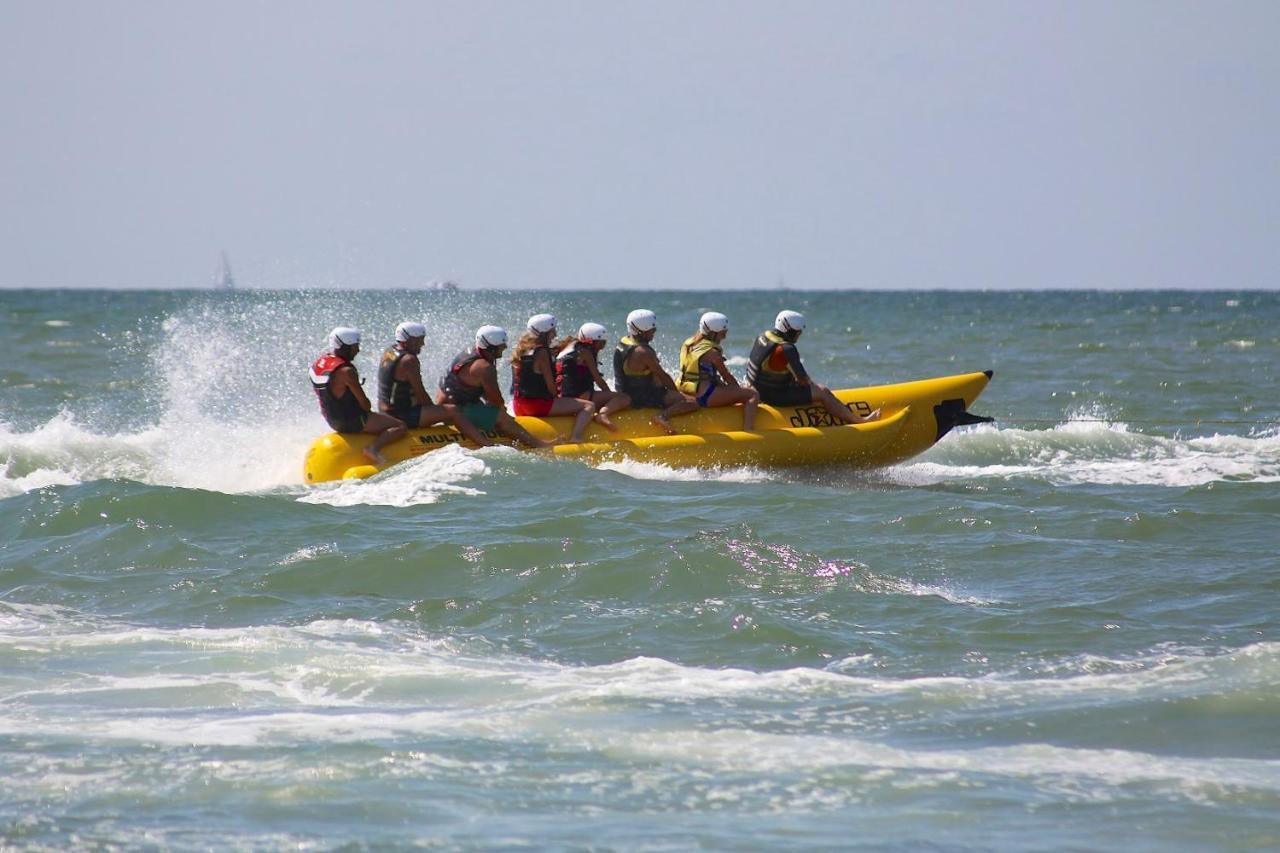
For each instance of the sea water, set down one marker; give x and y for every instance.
(1058, 631)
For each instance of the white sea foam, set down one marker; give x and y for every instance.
(355, 682)
(738, 750)
(424, 480)
(1098, 453)
(655, 471)
(319, 663)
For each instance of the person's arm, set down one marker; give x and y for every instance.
(793, 363)
(542, 364)
(593, 367)
(345, 376)
(492, 394)
(410, 370)
(717, 361)
(648, 358)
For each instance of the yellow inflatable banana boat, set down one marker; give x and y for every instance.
(913, 417)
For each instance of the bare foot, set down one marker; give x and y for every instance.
(874, 416)
(603, 420)
(661, 422)
(375, 457)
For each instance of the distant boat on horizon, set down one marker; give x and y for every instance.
(443, 284)
(222, 279)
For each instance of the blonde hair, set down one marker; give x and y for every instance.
(528, 342)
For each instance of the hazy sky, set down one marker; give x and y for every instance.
(641, 145)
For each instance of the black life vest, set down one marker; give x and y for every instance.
(573, 378)
(396, 394)
(526, 382)
(336, 410)
(458, 391)
(635, 384)
(759, 373)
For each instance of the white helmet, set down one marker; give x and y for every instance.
(490, 336)
(592, 332)
(540, 324)
(410, 329)
(789, 321)
(714, 321)
(344, 336)
(642, 320)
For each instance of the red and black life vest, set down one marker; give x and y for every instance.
(573, 378)
(336, 410)
(526, 382)
(458, 391)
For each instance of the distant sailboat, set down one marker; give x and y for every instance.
(222, 279)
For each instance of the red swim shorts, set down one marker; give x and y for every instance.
(532, 406)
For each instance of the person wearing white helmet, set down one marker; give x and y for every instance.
(638, 373)
(775, 370)
(471, 384)
(704, 374)
(401, 393)
(578, 373)
(342, 401)
(533, 379)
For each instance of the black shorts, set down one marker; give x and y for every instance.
(411, 416)
(354, 423)
(648, 398)
(794, 395)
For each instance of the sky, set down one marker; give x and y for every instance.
(641, 145)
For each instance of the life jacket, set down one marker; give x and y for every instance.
(573, 378)
(692, 370)
(526, 382)
(635, 384)
(768, 365)
(458, 391)
(397, 394)
(335, 409)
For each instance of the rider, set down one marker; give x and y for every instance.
(704, 374)
(533, 378)
(342, 400)
(774, 369)
(471, 384)
(578, 373)
(401, 393)
(638, 374)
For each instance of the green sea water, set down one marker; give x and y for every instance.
(1060, 631)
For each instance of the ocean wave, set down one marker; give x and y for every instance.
(228, 458)
(386, 658)
(654, 471)
(1085, 452)
(424, 480)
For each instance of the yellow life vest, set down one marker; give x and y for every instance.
(692, 370)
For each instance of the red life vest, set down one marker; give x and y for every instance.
(336, 410)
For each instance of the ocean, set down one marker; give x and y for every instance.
(1058, 631)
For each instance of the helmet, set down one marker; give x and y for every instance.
(344, 336)
(592, 333)
(540, 324)
(642, 320)
(714, 321)
(409, 329)
(789, 321)
(491, 336)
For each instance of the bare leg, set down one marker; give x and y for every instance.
(609, 402)
(676, 404)
(725, 395)
(386, 429)
(839, 410)
(508, 426)
(584, 409)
